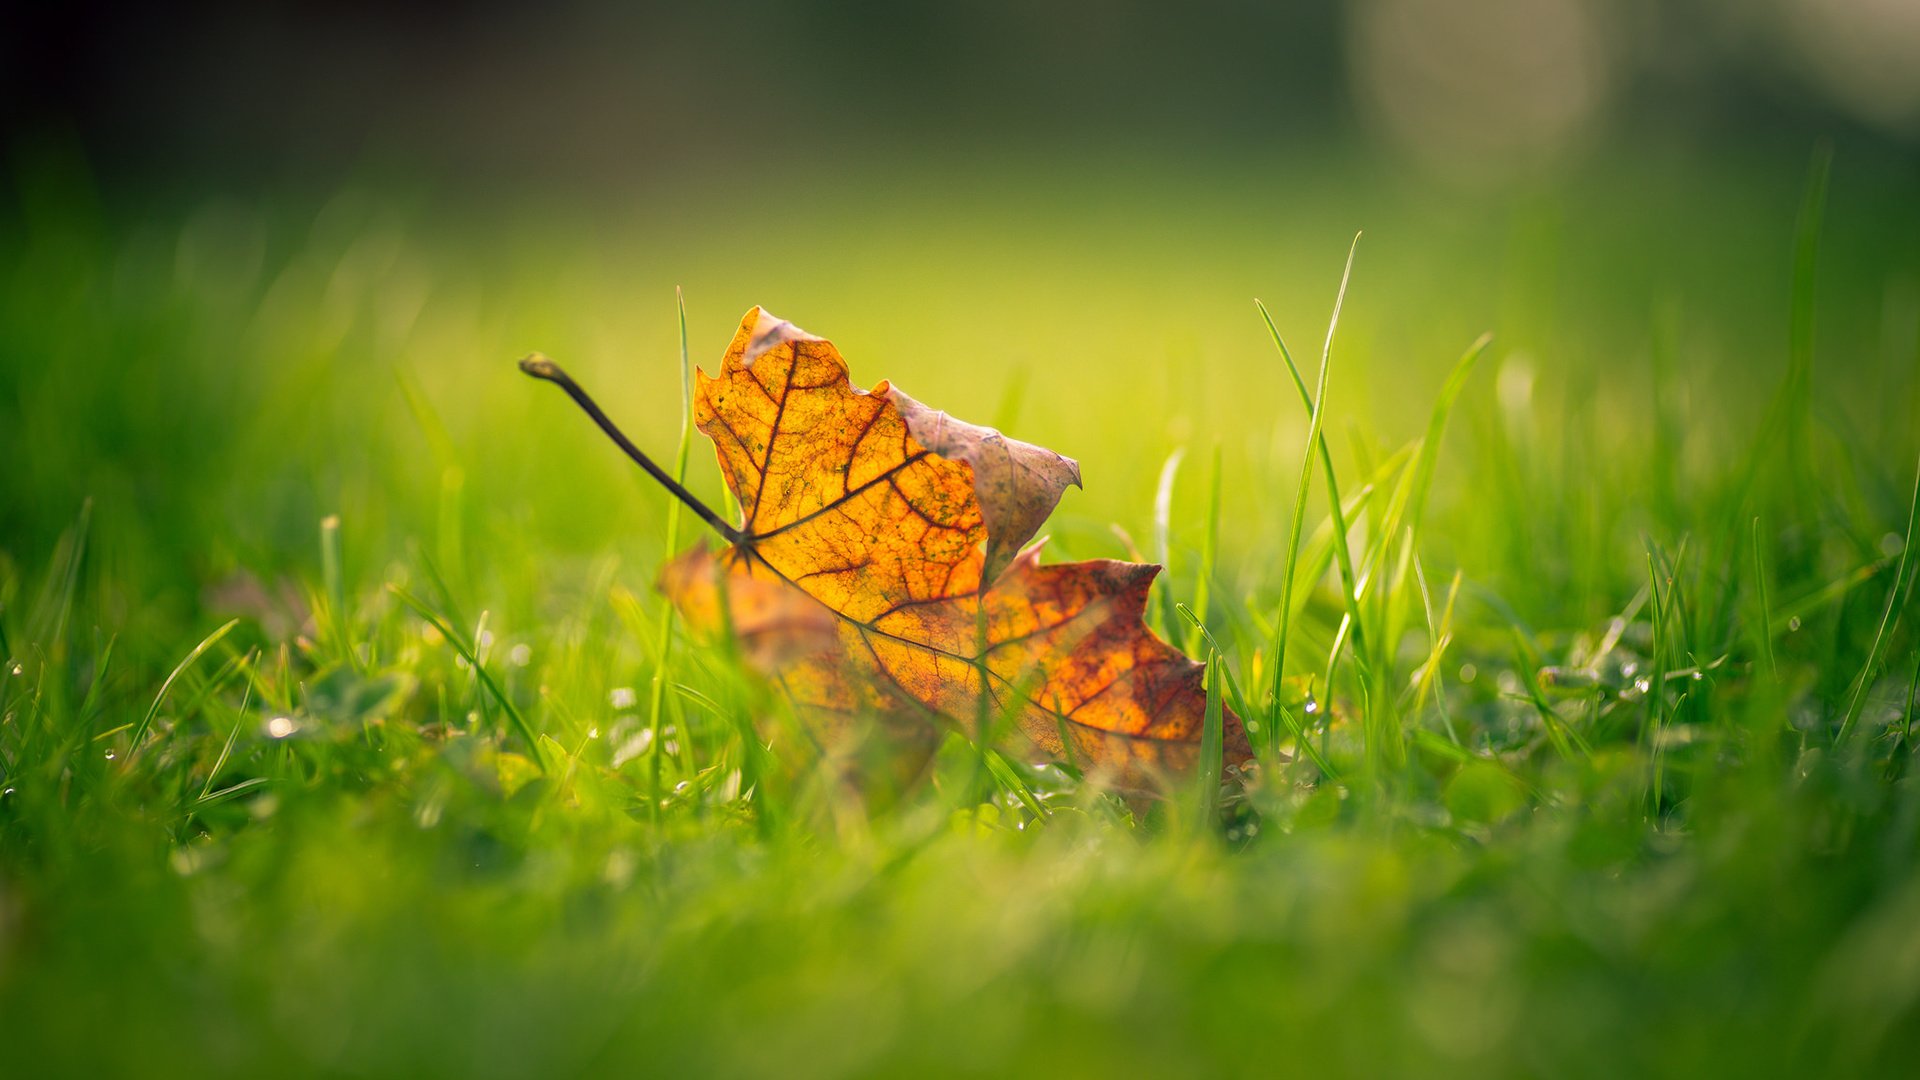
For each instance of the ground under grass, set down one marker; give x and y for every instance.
(1608, 769)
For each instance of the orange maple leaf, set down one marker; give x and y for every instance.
(878, 571)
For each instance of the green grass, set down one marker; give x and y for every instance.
(343, 733)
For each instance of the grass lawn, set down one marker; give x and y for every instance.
(1608, 764)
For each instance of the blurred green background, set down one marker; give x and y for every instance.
(262, 264)
(237, 234)
(222, 373)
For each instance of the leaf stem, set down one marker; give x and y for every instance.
(540, 367)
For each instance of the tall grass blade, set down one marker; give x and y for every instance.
(1657, 678)
(1314, 426)
(1163, 539)
(1889, 616)
(663, 643)
(1349, 581)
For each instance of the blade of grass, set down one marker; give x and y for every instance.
(1566, 741)
(1427, 458)
(1765, 628)
(448, 603)
(1163, 539)
(1238, 702)
(1913, 690)
(146, 722)
(663, 644)
(1319, 551)
(1349, 583)
(213, 683)
(232, 790)
(1889, 616)
(232, 737)
(1209, 549)
(1009, 780)
(333, 575)
(466, 651)
(1440, 635)
(1211, 732)
(90, 704)
(1441, 748)
(1787, 618)
(1657, 680)
(1314, 426)
(1235, 698)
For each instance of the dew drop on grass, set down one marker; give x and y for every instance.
(17, 669)
(593, 733)
(111, 755)
(521, 655)
(1793, 624)
(281, 726)
(1467, 672)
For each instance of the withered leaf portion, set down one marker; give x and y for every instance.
(880, 570)
(1018, 484)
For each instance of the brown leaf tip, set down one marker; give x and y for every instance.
(769, 333)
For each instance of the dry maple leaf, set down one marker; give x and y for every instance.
(878, 571)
